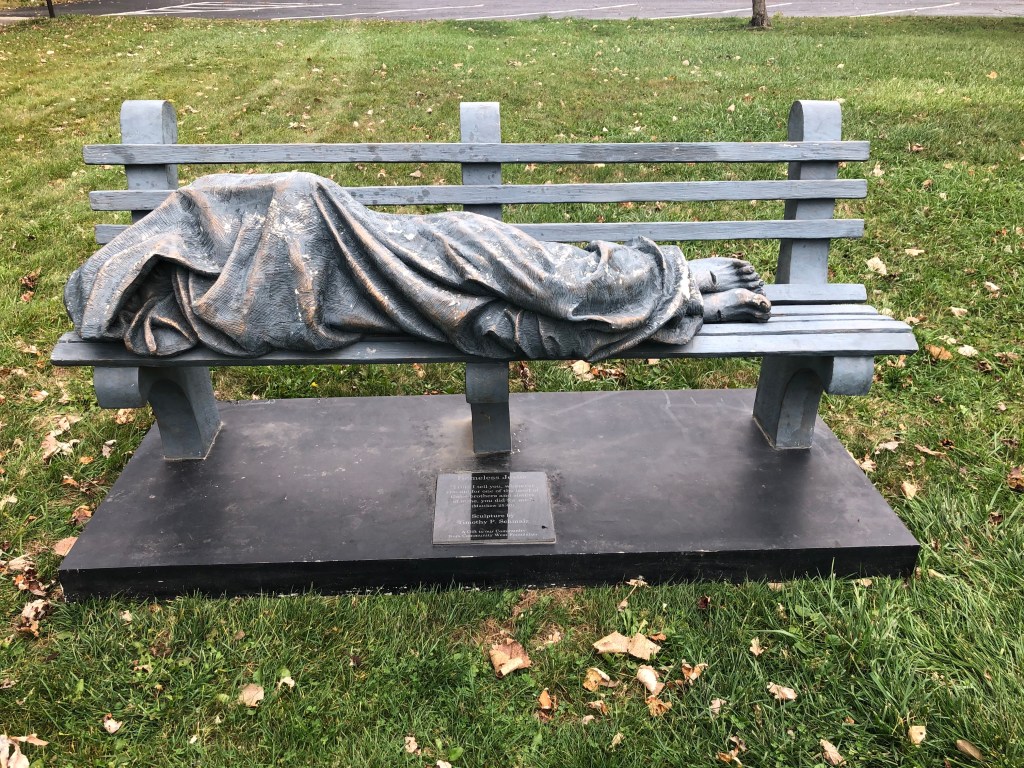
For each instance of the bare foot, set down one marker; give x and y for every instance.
(738, 304)
(719, 274)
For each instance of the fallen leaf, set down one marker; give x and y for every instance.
(958, 311)
(830, 753)
(11, 755)
(416, 174)
(657, 707)
(889, 445)
(992, 75)
(969, 749)
(599, 705)
(616, 740)
(909, 488)
(642, 648)
(691, 672)
(1015, 480)
(546, 705)
(863, 582)
(33, 612)
(597, 679)
(716, 706)
(927, 451)
(506, 658)
(110, 725)
(992, 288)
(20, 563)
(554, 636)
(781, 692)
(441, 763)
(776, 586)
(649, 679)
(126, 617)
(411, 747)
(877, 265)
(28, 349)
(8, 501)
(81, 515)
(938, 353)
(286, 680)
(755, 647)
(916, 734)
(32, 739)
(867, 464)
(703, 602)
(877, 170)
(613, 643)
(582, 369)
(108, 448)
(124, 416)
(913, 251)
(38, 395)
(251, 695)
(62, 547)
(638, 582)
(967, 351)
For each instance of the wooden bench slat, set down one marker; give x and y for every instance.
(820, 293)
(849, 339)
(526, 194)
(794, 311)
(425, 152)
(660, 231)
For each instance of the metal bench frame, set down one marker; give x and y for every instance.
(821, 337)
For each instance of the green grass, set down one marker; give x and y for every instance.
(943, 649)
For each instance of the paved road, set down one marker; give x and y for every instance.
(418, 10)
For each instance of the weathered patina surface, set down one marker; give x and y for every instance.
(245, 264)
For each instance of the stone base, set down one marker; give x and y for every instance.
(337, 495)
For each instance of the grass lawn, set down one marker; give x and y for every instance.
(941, 102)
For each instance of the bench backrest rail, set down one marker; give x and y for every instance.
(813, 149)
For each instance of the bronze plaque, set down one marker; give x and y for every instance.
(493, 508)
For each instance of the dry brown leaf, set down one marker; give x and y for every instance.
(867, 464)
(20, 563)
(251, 695)
(33, 612)
(877, 170)
(642, 648)
(927, 451)
(11, 755)
(587, 719)
(616, 740)
(62, 547)
(546, 705)
(38, 395)
(917, 734)
(781, 692)
(8, 501)
(411, 747)
(597, 679)
(658, 637)
(554, 636)
(966, 350)
(598, 705)
(637, 582)
(888, 445)
(755, 647)
(613, 643)
(830, 753)
(863, 582)
(938, 353)
(126, 617)
(992, 288)
(81, 515)
(716, 706)
(913, 251)
(691, 672)
(110, 725)
(648, 677)
(1015, 479)
(909, 488)
(657, 707)
(958, 311)
(969, 749)
(124, 416)
(506, 658)
(776, 586)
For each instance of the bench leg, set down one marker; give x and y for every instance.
(789, 390)
(182, 401)
(487, 395)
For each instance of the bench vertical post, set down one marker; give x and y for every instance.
(486, 383)
(182, 398)
(789, 388)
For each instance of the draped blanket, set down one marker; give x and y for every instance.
(246, 264)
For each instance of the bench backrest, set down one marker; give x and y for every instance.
(813, 149)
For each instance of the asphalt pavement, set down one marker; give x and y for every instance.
(473, 10)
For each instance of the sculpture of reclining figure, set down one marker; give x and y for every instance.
(245, 264)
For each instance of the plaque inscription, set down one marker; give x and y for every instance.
(493, 508)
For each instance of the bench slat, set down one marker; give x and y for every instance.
(852, 338)
(524, 194)
(819, 293)
(425, 152)
(667, 231)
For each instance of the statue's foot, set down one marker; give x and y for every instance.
(738, 304)
(720, 273)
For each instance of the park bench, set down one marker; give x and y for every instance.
(822, 337)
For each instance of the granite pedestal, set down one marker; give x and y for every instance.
(339, 494)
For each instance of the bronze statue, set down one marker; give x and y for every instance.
(245, 264)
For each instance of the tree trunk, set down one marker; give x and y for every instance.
(760, 18)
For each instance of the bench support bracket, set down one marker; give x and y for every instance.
(790, 388)
(487, 395)
(182, 400)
